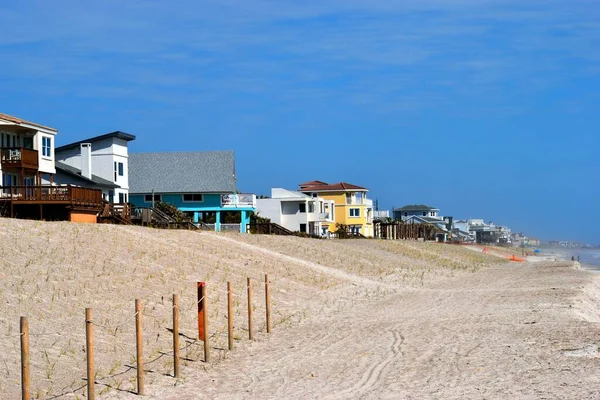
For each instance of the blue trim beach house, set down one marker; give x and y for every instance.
(201, 184)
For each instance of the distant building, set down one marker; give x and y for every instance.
(404, 213)
(297, 211)
(352, 207)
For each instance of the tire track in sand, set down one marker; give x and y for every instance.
(372, 375)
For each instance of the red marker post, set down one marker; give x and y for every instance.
(201, 286)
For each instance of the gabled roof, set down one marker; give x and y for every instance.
(116, 134)
(182, 172)
(416, 207)
(318, 186)
(20, 121)
(425, 220)
(67, 169)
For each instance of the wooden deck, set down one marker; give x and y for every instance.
(71, 196)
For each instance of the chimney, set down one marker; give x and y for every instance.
(86, 160)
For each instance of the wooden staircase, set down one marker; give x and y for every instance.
(115, 213)
(270, 228)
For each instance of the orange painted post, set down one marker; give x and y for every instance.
(205, 324)
(230, 315)
(250, 335)
(24, 358)
(89, 344)
(268, 302)
(201, 328)
(175, 336)
(140, 351)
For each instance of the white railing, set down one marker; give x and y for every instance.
(318, 217)
(237, 200)
(353, 201)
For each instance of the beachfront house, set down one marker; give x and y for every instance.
(100, 162)
(406, 212)
(28, 173)
(352, 207)
(201, 184)
(297, 212)
(489, 233)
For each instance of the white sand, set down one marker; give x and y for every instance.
(353, 319)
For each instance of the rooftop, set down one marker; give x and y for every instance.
(117, 134)
(416, 207)
(182, 172)
(20, 121)
(319, 186)
(77, 173)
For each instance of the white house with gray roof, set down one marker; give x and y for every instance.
(201, 184)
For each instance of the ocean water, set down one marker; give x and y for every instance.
(589, 258)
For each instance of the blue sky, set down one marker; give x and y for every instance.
(482, 108)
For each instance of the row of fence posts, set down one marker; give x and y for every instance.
(202, 328)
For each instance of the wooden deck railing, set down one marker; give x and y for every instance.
(76, 196)
(18, 157)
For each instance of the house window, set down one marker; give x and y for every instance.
(424, 213)
(120, 168)
(46, 146)
(302, 207)
(148, 198)
(303, 228)
(189, 197)
(311, 207)
(121, 198)
(355, 212)
(115, 170)
(406, 214)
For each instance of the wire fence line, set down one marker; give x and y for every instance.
(122, 348)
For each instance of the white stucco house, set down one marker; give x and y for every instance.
(100, 162)
(297, 211)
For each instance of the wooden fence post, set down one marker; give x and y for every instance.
(250, 335)
(268, 302)
(230, 315)
(24, 358)
(175, 336)
(205, 323)
(89, 345)
(139, 352)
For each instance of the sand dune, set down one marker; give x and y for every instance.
(352, 319)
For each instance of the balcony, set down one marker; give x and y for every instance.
(238, 200)
(354, 201)
(318, 217)
(18, 157)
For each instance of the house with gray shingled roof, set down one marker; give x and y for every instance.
(201, 184)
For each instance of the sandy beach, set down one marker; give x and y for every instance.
(352, 319)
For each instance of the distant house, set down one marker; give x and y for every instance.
(297, 211)
(489, 232)
(352, 208)
(406, 212)
(101, 162)
(201, 184)
(28, 170)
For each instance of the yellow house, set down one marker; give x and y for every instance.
(352, 208)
